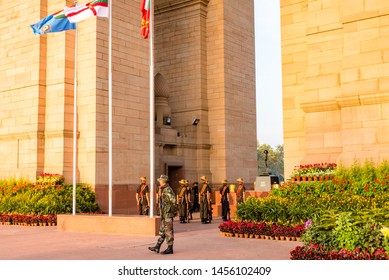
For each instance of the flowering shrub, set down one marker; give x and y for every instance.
(298, 231)
(50, 179)
(315, 252)
(316, 169)
(5, 218)
(385, 241)
(341, 215)
(283, 231)
(346, 230)
(260, 229)
(46, 199)
(228, 226)
(28, 219)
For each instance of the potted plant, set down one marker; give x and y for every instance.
(297, 232)
(296, 174)
(43, 220)
(52, 219)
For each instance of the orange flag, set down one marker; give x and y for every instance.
(145, 10)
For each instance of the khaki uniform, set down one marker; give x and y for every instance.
(239, 194)
(204, 194)
(224, 191)
(182, 198)
(142, 191)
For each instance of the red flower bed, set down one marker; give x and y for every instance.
(261, 229)
(17, 219)
(315, 252)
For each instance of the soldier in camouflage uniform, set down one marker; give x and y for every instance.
(168, 211)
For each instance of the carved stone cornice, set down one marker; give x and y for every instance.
(185, 145)
(38, 135)
(312, 107)
(343, 102)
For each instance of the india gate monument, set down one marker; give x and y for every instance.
(204, 92)
(335, 65)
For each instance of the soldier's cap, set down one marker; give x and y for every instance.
(182, 182)
(224, 181)
(239, 180)
(195, 183)
(187, 181)
(143, 178)
(203, 178)
(163, 178)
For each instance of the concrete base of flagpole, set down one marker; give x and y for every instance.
(118, 224)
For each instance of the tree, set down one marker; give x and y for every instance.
(275, 159)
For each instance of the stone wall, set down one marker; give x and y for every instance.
(335, 94)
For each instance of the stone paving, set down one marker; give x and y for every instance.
(193, 241)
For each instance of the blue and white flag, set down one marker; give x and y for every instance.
(56, 22)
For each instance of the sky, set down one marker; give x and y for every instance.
(268, 72)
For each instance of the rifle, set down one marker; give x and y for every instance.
(228, 212)
(187, 212)
(209, 211)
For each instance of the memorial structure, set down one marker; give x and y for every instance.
(205, 112)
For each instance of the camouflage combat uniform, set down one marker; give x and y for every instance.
(168, 211)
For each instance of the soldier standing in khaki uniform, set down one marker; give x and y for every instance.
(224, 192)
(240, 192)
(204, 200)
(194, 197)
(142, 197)
(168, 211)
(182, 201)
(190, 197)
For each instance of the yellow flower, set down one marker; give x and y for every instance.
(385, 231)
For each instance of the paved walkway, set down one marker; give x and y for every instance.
(193, 241)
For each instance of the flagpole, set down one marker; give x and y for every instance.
(75, 119)
(110, 108)
(151, 42)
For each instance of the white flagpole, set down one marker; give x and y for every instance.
(110, 108)
(151, 36)
(75, 120)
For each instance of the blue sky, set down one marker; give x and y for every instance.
(268, 72)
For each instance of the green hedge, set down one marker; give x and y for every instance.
(20, 196)
(349, 212)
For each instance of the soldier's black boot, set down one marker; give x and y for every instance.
(169, 250)
(155, 248)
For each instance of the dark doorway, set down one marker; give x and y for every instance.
(175, 173)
